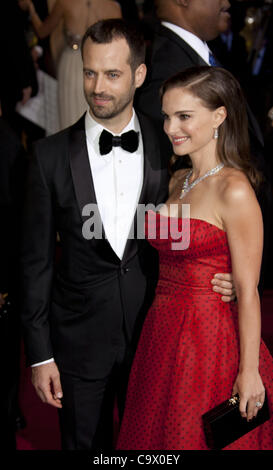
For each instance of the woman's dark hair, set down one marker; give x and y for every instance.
(106, 31)
(217, 87)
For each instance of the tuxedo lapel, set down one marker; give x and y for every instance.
(80, 166)
(151, 179)
(152, 161)
(83, 182)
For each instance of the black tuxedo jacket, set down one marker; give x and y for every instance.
(76, 310)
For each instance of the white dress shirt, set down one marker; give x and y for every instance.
(118, 179)
(200, 47)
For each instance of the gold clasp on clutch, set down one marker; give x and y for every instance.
(234, 400)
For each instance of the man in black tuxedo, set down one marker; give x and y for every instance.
(82, 317)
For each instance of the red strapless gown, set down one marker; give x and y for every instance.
(188, 353)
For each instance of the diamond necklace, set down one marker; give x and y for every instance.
(187, 187)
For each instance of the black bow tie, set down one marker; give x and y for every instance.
(128, 141)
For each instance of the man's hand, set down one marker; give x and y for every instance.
(46, 381)
(223, 284)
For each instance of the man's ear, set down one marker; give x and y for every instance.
(140, 75)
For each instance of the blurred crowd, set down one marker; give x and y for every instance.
(37, 38)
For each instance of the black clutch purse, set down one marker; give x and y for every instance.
(224, 424)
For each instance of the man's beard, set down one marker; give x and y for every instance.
(116, 108)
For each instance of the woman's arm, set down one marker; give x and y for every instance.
(43, 28)
(243, 222)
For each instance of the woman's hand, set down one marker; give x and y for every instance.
(251, 391)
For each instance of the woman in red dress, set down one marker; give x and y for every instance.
(196, 351)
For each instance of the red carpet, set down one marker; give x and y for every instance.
(42, 431)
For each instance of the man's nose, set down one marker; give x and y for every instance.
(99, 85)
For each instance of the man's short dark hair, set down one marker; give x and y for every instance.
(106, 31)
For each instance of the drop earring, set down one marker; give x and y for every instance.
(216, 134)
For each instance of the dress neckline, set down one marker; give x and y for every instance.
(191, 218)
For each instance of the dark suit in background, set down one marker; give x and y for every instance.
(231, 50)
(87, 311)
(168, 55)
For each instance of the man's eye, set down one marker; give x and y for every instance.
(113, 75)
(88, 73)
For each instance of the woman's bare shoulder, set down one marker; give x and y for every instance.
(235, 187)
(238, 207)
